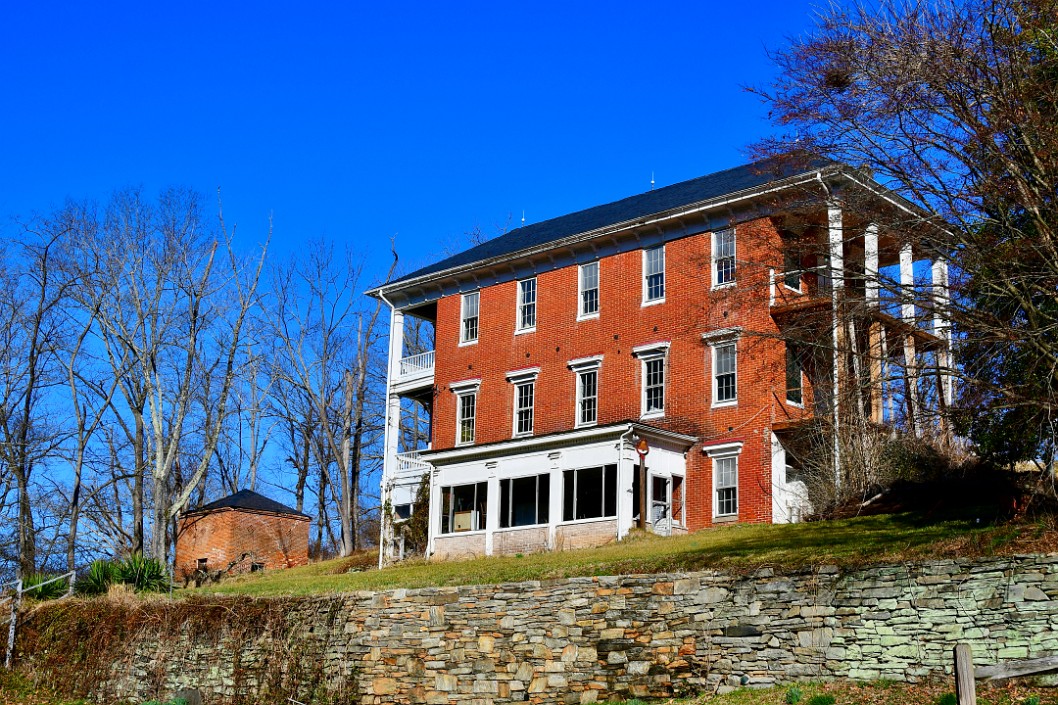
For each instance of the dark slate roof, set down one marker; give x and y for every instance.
(704, 188)
(248, 499)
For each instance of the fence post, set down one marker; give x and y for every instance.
(16, 602)
(965, 690)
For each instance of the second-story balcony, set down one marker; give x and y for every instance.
(414, 372)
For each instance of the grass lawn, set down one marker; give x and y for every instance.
(847, 542)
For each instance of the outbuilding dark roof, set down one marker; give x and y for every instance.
(703, 188)
(248, 499)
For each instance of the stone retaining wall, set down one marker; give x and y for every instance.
(590, 639)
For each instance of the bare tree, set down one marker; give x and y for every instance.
(327, 347)
(952, 105)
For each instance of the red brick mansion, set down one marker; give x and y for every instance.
(697, 322)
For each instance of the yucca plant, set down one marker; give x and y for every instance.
(144, 574)
(33, 587)
(99, 577)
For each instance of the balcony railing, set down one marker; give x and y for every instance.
(410, 465)
(416, 366)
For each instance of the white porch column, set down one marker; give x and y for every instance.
(836, 241)
(875, 330)
(625, 473)
(942, 329)
(492, 504)
(907, 314)
(392, 429)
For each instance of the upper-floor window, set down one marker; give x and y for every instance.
(654, 274)
(467, 415)
(523, 408)
(794, 376)
(654, 359)
(466, 409)
(524, 382)
(587, 380)
(724, 346)
(791, 265)
(725, 373)
(469, 316)
(587, 397)
(724, 257)
(527, 305)
(589, 290)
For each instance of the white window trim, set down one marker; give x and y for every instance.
(519, 378)
(579, 367)
(718, 452)
(518, 329)
(715, 339)
(713, 258)
(462, 389)
(581, 316)
(647, 353)
(664, 278)
(462, 318)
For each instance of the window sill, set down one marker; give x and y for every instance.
(593, 520)
(522, 331)
(798, 289)
(505, 529)
(467, 343)
(523, 435)
(725, 285)
(464, 444)
(724, 404)
(797, 404)
(475, 532)
(653, 415)
(725, 519)
(653, 302)
(588, 424)
(588, 316)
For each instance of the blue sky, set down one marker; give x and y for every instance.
(361, 122)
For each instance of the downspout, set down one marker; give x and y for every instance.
(620, 473)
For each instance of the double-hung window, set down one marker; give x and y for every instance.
(526, 305)
(466, 410)
(794, 376)
(726, 472)
(725, 479)
(469, 317)
(524, 382)
(654, 361)
(589, 290)
(791, 264)
(723, 344)
(587, 380)
(654, 275)
(723, 257)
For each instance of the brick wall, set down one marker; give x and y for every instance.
(222, 536)
(690, 309)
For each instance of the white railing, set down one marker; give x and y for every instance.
(411, 464)
(420, 365)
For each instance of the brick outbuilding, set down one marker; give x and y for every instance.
(241, 533)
